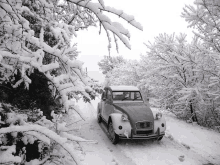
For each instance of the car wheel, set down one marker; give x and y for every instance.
(160, 138)
(113, 136)
(99, 118)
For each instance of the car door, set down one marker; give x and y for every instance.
(107, 106)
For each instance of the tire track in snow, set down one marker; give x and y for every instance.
(116, 151)
(103, 153)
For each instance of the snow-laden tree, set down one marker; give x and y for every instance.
(179, 76)
(124, 74)
(24, 49)
(37, 35)
(108, 63)
(204, 18)
(170, 69)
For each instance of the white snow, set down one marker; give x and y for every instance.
(183, 144)
(7, 156)
(46, 132)
(201, 140)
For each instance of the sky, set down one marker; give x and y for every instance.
(160, 16)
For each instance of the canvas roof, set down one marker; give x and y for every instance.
(124, 88)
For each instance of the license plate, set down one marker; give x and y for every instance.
(143, 125)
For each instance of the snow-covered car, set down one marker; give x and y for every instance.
(126, 115)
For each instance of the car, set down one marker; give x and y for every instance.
(127, 116)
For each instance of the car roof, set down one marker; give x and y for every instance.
(123, 88)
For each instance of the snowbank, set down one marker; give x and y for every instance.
(194, 137)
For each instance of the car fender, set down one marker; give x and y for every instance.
(117, 121)
(158, 124)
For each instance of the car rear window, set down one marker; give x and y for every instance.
(126, 95)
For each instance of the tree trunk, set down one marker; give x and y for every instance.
(194, 118)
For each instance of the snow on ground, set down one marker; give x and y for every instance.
(199, 139)
(184, 144)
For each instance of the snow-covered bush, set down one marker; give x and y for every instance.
(24, 141)
(38, 96)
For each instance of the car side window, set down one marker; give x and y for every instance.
(117, 95)
(138, 96)
(127, 95)
(132, 95)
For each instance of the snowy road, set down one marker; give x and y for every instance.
(174, 149)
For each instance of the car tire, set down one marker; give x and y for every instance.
(160, 138)
(99, 118)
(112, 135)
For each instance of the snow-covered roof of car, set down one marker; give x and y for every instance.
(124, 88)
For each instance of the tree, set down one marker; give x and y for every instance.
(171, 69)
(180, 76)
(109, 63)
(123, 74)
(60, 20)
(204, 18)
(35, 35)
